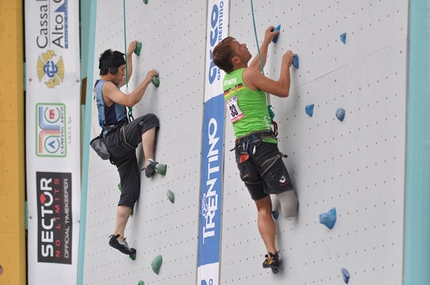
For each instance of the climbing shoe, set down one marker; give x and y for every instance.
(272, 261)
(121, 246)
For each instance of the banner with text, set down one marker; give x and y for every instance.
(212, 151)
(52, 139)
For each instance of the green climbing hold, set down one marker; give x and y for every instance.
(120, 190)
(138, 48)
(156, 81)
(161, 168)
(141, 283)
(171, 196)
(156, 264)
(145, 1)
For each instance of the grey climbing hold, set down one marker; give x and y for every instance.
(156, 264)
(296, 61)
(345, 275)
(340, 114)
(309, 109)
(343, 37)
(171, 196)
(275, 214)
(328, 219)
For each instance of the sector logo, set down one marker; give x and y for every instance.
(50, 126)
(49, 69)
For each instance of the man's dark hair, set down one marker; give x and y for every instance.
(110, 59)
(222, 55)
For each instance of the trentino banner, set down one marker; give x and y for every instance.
(212, 151)
(52, 139)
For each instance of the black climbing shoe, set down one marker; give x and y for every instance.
(272, 261)
(121, 246)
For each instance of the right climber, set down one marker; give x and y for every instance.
(257, 155)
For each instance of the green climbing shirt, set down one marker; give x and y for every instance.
(247, 108)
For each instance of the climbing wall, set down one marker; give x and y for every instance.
(355, 166)
(173, 42)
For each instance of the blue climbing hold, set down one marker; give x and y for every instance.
(275, 214)
(328, 219)
(340, 114)
(309, 109)
(345, 275)
(275, 38)
(343, 38)
(296, 61)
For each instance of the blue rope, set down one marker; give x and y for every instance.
(271, 113)
(256, 38)
(125, 44)
(130, 109)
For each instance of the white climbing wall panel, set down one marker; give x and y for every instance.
(356, 166)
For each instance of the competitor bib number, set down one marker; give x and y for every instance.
(233, 109)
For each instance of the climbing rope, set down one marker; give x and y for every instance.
(271, 113)
(130, 109)
(256, 37)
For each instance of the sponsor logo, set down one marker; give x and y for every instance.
(50, 70)
(53, 24)
(50, 130)
(210, 196)
(54, 217)
(215, 36)
(283, 179)
(204, 282)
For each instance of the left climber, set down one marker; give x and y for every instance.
(122, 136)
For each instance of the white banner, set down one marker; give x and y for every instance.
(52, 139)
(212, 151)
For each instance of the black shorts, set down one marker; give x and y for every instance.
(122, 143)
(261, 167)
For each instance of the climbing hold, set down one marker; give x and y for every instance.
(145, 1)
(161, 168)
(340, 114)
(171, 196)
(156, 264)
(275, 214)
(309, 109)
(120, 190)
(343, 38)
(138, 48)
(156, 81)
(141, 283)
(275, 38)
(345, 275)
(296, 61)
(328, 219)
